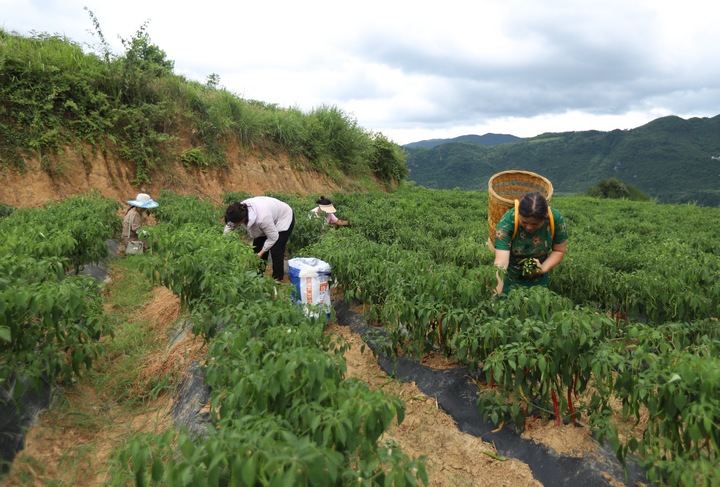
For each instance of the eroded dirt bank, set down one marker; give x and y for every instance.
(77, 172)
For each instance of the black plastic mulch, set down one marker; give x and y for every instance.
(16, 418)
(189, 402)
(456, 395)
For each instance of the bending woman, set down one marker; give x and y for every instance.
(325, 206)
(269, 222)
(534, 251)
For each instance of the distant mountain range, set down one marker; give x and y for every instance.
(671, 159)
(487, 139)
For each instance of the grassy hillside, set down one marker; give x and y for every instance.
(670, 159)
(133, 107)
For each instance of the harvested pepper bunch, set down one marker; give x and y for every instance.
(529, 266)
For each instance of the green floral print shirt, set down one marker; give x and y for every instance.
(537, 244)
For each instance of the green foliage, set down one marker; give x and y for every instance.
(641, 257)
(48, 96)
(332, 135)
(6, 210)
(141, 141)
(387, 160)
(144, 57)
(289, 128)
(197, 156)
(51, 322)
(177, 210)
(232, 196)
(464, 165)
(193, 255)
(73, 231)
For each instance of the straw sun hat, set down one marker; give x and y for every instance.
(326, 205)
(143, 200)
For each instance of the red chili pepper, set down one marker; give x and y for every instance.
(555, 408)
(570, 404)
(575, 385)
(531, 420)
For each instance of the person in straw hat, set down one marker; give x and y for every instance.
(134, 217)
(528, 256)
(325, 206)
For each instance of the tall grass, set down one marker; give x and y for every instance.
(286, 128)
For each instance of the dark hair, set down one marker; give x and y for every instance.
(533, 205)
(130, 207)
(323, 201)
(236, 213)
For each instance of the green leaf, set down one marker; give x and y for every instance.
(694, 432)
(157, 470)
(674, 378)
(542, 363)
(248, 471)
(187, 448)
(680, 401)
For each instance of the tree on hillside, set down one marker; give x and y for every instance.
(616, 189)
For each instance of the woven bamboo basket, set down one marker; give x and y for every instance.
(506, 187)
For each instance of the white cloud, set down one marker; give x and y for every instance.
(419, 69)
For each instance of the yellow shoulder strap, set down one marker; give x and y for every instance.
(552, 223)
(517, 220)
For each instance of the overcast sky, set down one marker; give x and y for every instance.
(417, 70)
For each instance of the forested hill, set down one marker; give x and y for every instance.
(487, 139)
(672, 159)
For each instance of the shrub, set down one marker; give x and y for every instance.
(614, 188)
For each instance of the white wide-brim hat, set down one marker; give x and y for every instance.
(143, 200)
(328, 208)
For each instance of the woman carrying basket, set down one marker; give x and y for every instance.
(537, 245)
